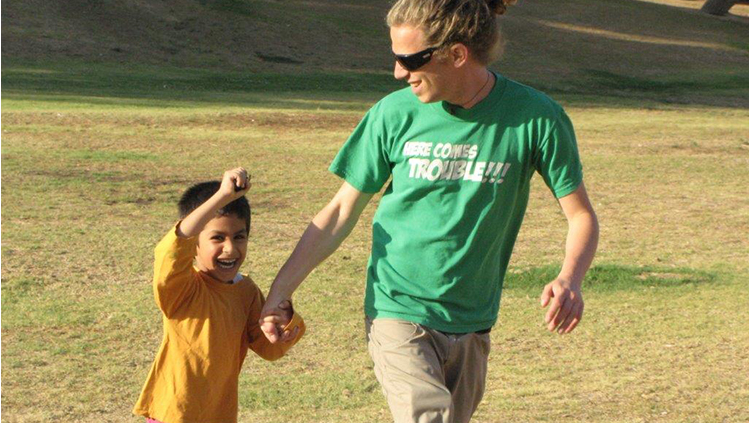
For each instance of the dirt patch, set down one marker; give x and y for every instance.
(308, 121)
(282, 120)
(270, 204)
(288, 121)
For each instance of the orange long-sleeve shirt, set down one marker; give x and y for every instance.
(208, 327)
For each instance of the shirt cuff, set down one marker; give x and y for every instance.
(298, 324)
(295, 322)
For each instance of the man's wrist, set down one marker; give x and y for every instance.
(275, 300)
(570, 281)
(279, 291)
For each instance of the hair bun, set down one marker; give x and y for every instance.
(499, 7)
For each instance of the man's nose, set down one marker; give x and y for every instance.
(399, 72)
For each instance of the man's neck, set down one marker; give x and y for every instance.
(477, 84)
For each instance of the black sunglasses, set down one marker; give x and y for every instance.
(414, 61)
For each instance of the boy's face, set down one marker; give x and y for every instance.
(222, 246)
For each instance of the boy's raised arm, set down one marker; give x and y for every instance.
(234, 184)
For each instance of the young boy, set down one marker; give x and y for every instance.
(210, 311)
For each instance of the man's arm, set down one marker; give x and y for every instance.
(564, 293)
(322, 237)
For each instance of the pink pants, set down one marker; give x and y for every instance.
(148, 420)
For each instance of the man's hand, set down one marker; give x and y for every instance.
(274, 319)
(566, 305)
(563, 295)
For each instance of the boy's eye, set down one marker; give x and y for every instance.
(217, 238)
(240, 236)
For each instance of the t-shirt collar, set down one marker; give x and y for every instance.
(217, 283)
(455, 112)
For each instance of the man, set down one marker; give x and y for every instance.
(460, 146)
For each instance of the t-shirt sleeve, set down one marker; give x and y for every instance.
(557, 158)
(174, 278)
(364, 160)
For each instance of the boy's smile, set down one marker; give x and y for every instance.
(222, 246)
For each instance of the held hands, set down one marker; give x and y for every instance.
(234, 184)
(274, 319)
(566, 305)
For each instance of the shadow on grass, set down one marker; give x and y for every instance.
(608, 277)
(629, 83)
(103, 85)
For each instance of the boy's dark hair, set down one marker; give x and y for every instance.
(200, 193)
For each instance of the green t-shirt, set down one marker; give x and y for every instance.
(445, 227)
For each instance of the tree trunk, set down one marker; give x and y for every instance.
(718, 7)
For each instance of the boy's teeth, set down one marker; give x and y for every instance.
(226, 263)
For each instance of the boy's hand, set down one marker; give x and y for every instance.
(234, 184)
(273, 322)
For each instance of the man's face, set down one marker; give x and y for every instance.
(222, 246)
(431, 82)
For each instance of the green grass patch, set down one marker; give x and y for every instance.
(610, 277)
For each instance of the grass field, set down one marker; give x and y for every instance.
(96, 153)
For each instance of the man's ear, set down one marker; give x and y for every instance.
(458, 54)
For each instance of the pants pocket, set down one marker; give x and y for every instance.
(486, 343)
(387, 334)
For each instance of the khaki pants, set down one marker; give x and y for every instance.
(426, 375)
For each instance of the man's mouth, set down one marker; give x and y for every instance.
(226, 264)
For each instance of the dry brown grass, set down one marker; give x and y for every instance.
(669, 185)
(97, 148)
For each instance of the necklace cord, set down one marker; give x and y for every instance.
(480, 90)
